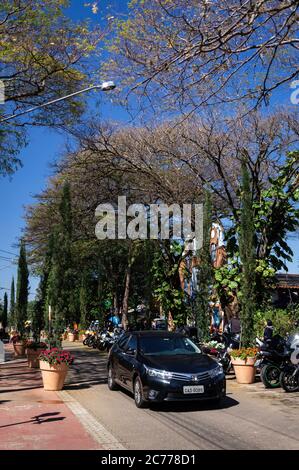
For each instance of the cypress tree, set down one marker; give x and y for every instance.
(12, 305)
(248, 260)
(22, 290)
(40, 318)
(61, 284)
(84, 298)
(204, 274)
(5, 311)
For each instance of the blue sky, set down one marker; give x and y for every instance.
(44, 147)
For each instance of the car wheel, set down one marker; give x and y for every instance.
(219, 402)
(111, 380)
(138, 394)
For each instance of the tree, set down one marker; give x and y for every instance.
(62, 295)
(248, 261)
(84, 300)
(44, 55)
(167, 282)
(5, 311)
(173, 54)
(22, 290)
(12, 318)
(204, 274)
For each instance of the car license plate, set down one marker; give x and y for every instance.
(193, 389)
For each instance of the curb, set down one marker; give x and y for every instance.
(98, 432)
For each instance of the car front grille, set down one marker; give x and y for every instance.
(196, 378)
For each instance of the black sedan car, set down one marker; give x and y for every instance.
(161, 366)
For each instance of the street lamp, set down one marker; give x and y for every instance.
(105, 86)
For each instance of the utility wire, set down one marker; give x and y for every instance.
(8, 252)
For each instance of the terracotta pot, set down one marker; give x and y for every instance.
(71, 337)
(32, 357)
(53, 375)
(244, 370)
(19, 349)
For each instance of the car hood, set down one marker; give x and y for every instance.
(188, 364)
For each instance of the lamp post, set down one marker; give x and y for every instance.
(105, 86)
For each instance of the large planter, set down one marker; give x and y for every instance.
(244, 370)
(72, 337)
(53, 375)
(32, 357)
(19, 349)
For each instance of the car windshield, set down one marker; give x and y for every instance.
(167, 345)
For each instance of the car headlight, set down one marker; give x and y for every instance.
(216, 372)
(161, 374)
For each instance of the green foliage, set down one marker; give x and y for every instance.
(284, 320)
(62, 294)
(12, 319)
(204, 274)
(167, 288)
(5, 311)
(248, 260)
(43, 55)
(22, 290)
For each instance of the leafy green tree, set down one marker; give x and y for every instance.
(248, 261)
(22, 290)
(167, 284)
(43, 56)
(12, 305)
(204, 274)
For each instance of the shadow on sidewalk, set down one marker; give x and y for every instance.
(88, 370)
(39, 419)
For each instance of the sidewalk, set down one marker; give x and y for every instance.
(33, 419)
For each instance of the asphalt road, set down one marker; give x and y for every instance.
(252, 417)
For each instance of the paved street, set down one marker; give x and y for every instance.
(253, 418)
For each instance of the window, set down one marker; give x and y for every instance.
(131, 344)
(123, 341)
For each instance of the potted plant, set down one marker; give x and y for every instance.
(54, 364)
(243, 361)
(72, 335)
(82, 335)
(34, 349)
(19, 345)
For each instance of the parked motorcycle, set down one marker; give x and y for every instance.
(289, 377)
(272, 358)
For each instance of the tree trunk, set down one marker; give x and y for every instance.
(125, 304)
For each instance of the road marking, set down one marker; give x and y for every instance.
(96, 429)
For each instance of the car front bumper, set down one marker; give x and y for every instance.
(156, 390)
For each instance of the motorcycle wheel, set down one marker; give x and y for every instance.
(85, 341)
(288, 382)
(101, 346)
(270, 376)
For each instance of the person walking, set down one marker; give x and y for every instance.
(235, 325)
(268, 332)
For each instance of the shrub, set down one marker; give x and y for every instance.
(284, 320)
